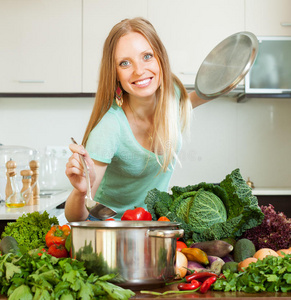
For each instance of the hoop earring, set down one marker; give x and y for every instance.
(118, 96)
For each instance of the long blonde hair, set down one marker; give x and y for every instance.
(165, 121)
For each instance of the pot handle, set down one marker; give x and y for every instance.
(166, 233)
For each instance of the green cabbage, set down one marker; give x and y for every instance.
(206, 211)
(202, 210)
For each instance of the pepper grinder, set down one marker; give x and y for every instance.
(26, 191)
(34, 167)
(11, 171)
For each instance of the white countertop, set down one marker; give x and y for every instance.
(271, 191)
(45, 204)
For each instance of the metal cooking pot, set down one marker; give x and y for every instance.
(142, 253)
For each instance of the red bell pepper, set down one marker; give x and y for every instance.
(137, 214)
(57, 235)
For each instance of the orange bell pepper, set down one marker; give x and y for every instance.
(57, 235)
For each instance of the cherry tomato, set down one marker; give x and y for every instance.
(180, 245)
(163, 219)
(110, 219)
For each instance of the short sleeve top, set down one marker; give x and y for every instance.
(132, 170)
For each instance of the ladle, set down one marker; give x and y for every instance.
(96, 209)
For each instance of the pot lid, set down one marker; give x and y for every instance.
(226, 65)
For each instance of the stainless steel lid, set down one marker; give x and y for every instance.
(226, 65)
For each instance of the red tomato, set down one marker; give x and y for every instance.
(180, 245)
(58, 251)
(110, 219)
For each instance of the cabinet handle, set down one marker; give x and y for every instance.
(285, 24)
(31, 81)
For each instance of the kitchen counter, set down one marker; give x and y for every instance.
(218, 295)
(271, 191)
(45, 204)
(210, 295)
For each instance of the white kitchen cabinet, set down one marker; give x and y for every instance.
(41, 46)
(268, 17)
(190, 29)
(99, 17)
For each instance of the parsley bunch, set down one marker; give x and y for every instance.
(271, 274)
(29, 230)
(51, 278)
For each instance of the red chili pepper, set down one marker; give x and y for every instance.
(137, 214)
(57, 235)
(206, 285)
(43, 250)
(189, 286)
(201, 276)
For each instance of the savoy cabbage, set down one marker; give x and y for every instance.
(207, 211)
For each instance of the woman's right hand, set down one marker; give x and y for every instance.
(75, 170)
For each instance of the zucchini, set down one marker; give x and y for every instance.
(9, 245)
(216, 247)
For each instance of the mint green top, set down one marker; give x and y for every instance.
(132, 170)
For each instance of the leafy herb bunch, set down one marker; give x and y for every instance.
(50, 278)
(271, 274)
(30, 229)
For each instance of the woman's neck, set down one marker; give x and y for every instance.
(142, 109)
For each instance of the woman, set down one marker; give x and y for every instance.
(134, 132)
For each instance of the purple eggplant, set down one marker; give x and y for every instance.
(216, 247)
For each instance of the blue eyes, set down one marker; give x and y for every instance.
(126, 63)
(148, 56)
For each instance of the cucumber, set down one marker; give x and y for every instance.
(216, 247)
(244, 248)
(9, 245)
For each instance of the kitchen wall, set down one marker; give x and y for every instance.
(254, 136)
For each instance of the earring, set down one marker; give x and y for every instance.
(118, 96)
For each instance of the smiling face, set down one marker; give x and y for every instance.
(138, 70)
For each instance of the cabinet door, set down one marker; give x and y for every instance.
(99, 17)
(190, 29)
(40, 48)
(268, 17)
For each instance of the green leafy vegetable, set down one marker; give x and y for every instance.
(274, 232)
(29, 230)
(48, 277)
(271, 274)
(207, 211)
